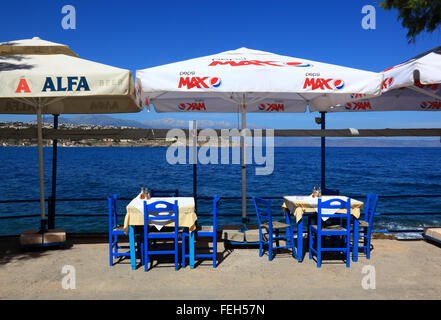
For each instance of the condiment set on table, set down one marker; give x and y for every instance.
(145, 194)
(316, 192)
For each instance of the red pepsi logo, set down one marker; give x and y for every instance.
(271, 107)
(431, 105)
(215, 82)
(192, 106)
(339, 84)
(360, 105)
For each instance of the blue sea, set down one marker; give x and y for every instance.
(91, 172)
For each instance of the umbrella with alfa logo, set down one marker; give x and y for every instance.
(245, 80)
(42, 77)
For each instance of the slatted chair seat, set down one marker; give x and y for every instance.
(276, 225)
(118, 228)
(364, 224)
(204, 229)
(330, 228)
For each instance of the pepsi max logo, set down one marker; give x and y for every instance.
(323, 84)
(361, 105)
(192, 106)
(199, 82)
(271, 107)
(431, 105)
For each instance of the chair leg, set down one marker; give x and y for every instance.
(183, 250)
(146, 253)
(270, 247)
(311, 241)
(348, 251)
(368, 246)
(214, 250)
(319, 251)
(277, 240)
(110, 250)
(260, 247)
(176, 252)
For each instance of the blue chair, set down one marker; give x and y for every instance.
(269, 230)
(320, 230)
(205, 232)
(150, 236)
(367, 223)
(115, 230)
(164, 193)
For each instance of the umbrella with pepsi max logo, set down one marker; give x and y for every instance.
(245, 80)
(414, 85)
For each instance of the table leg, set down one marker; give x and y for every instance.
(355, 239)
(300, 240)
(132, 247)
(191, 248)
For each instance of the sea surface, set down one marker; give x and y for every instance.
(90, 172)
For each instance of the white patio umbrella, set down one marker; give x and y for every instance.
(414, 85)
(245, 80)
(42, 77)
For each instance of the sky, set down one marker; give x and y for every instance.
(139, 34)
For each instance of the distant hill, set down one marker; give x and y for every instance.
(102, 120)
(165, 123)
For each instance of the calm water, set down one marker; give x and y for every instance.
(99, 172)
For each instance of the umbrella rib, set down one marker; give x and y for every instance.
(24, 100)
(420, 90)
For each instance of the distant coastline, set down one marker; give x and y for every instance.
(106, 122)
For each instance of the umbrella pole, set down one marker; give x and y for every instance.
(243, 163)
(40, 168)
(51, 208)
(323, 152)
(195, 164)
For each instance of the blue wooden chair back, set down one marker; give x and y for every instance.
(215, 207)
(113, 211)
(263, 212)
(164, 193)
(161, 207)
(335, 203)
(371, 205)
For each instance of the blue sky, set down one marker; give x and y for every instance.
(140, 34)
